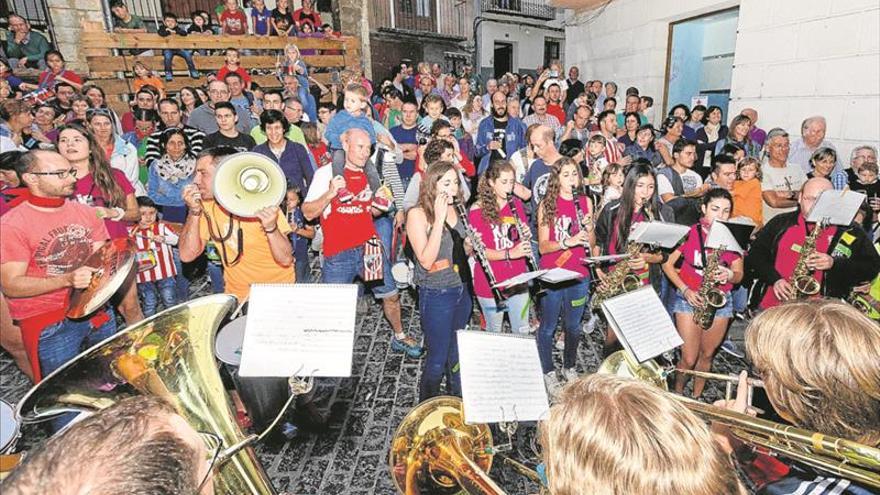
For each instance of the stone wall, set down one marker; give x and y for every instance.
(67, 18)
(353, 21)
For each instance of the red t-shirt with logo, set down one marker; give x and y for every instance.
(346, 225)
(234, 23)
(691, 272)
(498, 237)
(565, 225)
(52, 243)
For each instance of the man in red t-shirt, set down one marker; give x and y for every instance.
(344, 204)
(232, 20)
(45, 241)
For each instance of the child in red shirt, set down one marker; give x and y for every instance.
(232, 20)
(233, 64)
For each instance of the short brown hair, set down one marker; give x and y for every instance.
(126, 448)
(607, 435)
(819, 361)
(357, 89)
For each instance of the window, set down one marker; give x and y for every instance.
(423, 8)
(551, 50)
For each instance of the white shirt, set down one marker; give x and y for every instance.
(690, 179)
(788, 178)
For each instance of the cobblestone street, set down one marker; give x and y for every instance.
(364, 411)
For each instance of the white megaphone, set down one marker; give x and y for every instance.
(247, 182)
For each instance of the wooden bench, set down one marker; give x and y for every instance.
(113, 72)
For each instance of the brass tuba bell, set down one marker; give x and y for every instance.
(434, 451)
(246, 182)
(169, 355)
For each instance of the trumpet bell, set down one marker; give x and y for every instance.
(169, 355)
(247, 182)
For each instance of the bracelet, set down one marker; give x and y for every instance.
(683, 291)
(562, 243)
(120, 213)
(270, 231)
(507, 254)
(195, 214)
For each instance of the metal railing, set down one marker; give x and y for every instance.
(34, 11)
(528, 8)
(443, 17)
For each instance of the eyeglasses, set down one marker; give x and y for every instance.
(61, 174)
(214, 446)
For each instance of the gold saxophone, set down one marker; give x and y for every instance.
(619, 280)
(712, 297)
(863, 302)
(802, 277)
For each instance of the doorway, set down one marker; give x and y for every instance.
(699, 62)
(503, 59)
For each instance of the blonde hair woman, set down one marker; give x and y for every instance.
(612, 435)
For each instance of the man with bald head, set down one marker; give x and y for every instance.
(344, 199)
(812, 138)
(843, 257)
(202, 118)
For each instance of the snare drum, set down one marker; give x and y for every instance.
(227, 346)
(402, 272)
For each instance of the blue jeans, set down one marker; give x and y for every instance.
(517, 311)
(345, 267)
(740, 295)
(63, 341)
(167, 291)
(187, 57)
(303, 270)
(569, 301)
(182, 282)
(442, 312)
(215, 273)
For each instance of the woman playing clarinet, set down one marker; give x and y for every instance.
(564, 237)
(442, 275)
(507, 247)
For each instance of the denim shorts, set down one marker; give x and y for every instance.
(680, 305)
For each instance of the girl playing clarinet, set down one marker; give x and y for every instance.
(685, 269)
(564, 236)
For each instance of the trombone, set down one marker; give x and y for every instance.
(842, 457)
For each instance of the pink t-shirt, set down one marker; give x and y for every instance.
(498, 237)
(788, 253)
(565, 225)
(52, 243)
(692, 262)
(87, 193)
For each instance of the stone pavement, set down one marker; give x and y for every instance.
(364, 411)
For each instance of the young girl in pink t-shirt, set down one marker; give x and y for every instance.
(701, 344)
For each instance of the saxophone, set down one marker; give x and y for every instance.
(619, 280)
(865, 303)
(712, 297)
(801, 278)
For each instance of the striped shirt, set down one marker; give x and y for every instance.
(161, 251)
(154, 149)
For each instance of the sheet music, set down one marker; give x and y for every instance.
(520, 279)
(558, 275)
(836, 207)
(641, 323)
(720, 235)
(501, 378)
(607, 257)
(661, 234)
(305, 329)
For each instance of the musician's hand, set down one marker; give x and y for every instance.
(723, 274)
(468, 246)
(862, 289)
(521, 250)
(80, 278)
(336, 184)
(104, 212)
(441, 208)
(693, 298)
(637, 263)
(268, 217)
(580, 239)
(741, 405)
(820, 261)
(783, 290)
(192, 197)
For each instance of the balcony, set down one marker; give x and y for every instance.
(444, 18)
(528, 8)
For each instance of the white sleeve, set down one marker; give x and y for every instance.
(170, 237)
(320, 183)
(412, 192)
(663, 185)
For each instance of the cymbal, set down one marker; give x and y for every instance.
(112, 263)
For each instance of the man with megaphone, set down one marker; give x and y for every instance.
(345, 199)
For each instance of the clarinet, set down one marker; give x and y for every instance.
(525, 233)
(480, 254)
(579, 211)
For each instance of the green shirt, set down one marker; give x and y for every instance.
(295, 134)
(135, 23)
(34, 47)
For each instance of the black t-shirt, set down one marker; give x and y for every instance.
(277, 14)
(242, 142)
(499, 133)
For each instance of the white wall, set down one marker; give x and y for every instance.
(797, 58)
(527, 40)
(794, 58)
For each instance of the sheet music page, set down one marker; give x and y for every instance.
(602, 259)
(305, 329)
(558, 275)
(838, 207)
(662, 234)
(522, 278)
(501, 377)
(720, 235)
(642, 323)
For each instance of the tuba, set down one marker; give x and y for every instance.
(839, 456)
(434, 451)
(169, 355)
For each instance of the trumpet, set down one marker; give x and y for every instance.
(839, 456)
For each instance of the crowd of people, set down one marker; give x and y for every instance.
(485, 181)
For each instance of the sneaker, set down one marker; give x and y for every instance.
(729, 347)
(590, 325)
(195, 74)
(554, 387)
(570, 374)
(168, 76)
(407, 345)
(560, 344)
